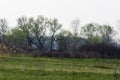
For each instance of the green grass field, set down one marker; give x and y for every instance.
(41, 68)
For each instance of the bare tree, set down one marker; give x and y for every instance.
(75, 26)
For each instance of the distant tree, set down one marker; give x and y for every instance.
(97, 33)
(99, 36)
(106, 32)
(39, 31)
(75, 27)
(54, 26)
(91, 32)
(26, 25)
(17, 38)
(64, 40)
(3, 29)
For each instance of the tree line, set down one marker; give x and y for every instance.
(44, 36)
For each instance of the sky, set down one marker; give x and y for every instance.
(87, 11)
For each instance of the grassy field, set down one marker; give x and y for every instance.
(28, 68)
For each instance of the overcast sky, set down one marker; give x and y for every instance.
(98, 11)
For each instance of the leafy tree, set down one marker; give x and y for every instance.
(39, 31)
(106, 32)
(3, 29)
(54, 27)
(64, 39)
(26, 25)
(18, 38)
(92, 33)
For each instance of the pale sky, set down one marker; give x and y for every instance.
(98, 11)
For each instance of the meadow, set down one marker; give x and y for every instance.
(44, 68)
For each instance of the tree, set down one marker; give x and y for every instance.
(26, 25)
(97, 33)
(75, 27)
(91, 32)
(18, 38)
(39, 31)
(54, 27)
(99, 36)
(64, 40)
(106, 32)
(16, 41)
(3, 29)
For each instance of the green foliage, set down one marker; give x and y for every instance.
(102, 66)
(26, 25)
(39, 31)
(17, 37)
(36, 29)
(106, 33)
(3, 29)
(64, 39)
(45, 33)
(96, 33)
(54, 25)
(65, 33)
(27, 68)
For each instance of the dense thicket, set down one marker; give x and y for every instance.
(43, 36)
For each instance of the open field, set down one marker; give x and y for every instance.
(28, 68)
